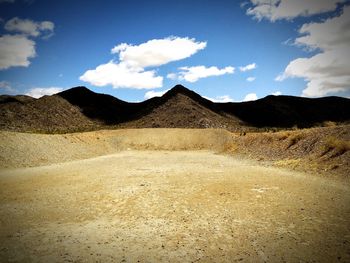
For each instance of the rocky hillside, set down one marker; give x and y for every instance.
(79, 109)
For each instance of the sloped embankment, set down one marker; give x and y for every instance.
(319, 150)
(28, 149)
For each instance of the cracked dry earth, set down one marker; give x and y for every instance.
(180, 206)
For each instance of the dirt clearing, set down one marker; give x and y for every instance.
(171, 206)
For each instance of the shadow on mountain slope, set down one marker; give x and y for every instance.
(82, 109)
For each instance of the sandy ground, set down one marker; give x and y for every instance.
(178, 206)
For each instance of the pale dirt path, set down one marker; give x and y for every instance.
(180, 206)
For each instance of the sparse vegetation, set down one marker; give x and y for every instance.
(294, 138)
(282, 136)
(337, 146)
(329, 124)
(229, 148)
(307, 146)
(291, 163)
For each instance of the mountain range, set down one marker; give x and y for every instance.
(80, 109)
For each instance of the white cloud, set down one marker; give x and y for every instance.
(287, 9)
(122, 76)
(221, 99)
(15, 50)
(243, 4)
(152, 93)
(280, 77)
(5, 87)
(248, 67)
(193, 74)
(29, 27)
(130, 71)
(157, 52)
(172, 76)
(250, 97)
(329, 70)
(251, 79)
(39, 92)
(276, 93)
(328, 35)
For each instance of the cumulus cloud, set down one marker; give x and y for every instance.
(39, 92)
(221, 99)
(157, 52)
(30, 27)
(288, 9)
(276, 93)
(329, 35)
(15, 50)
(193, 74)
(119, 75)
(172, 76)
(130, 71)
(250, 97)
(250, 79)
(152, 93)
(329, 70)
(248, 67)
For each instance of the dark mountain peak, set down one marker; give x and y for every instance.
(99, 107)
(82, 95)
(80, 90)
(179, 89)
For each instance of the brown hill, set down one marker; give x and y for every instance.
(47, 114)
(79, 109)
(181, 111)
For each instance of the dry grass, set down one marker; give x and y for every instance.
(282, 135)
(229, 148)
(294, 138)
(329, 124)
(337, 146)
(291, 163)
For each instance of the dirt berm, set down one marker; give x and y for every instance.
(323, 151)
(28, 149)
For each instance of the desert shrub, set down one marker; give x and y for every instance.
(282, 136)
(329, 124)
(292, 163)
(268, 138)
(228, 147)
(294, 138)
(337, 145)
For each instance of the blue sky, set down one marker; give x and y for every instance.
(54, 45)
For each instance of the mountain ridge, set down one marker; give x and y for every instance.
(80, 109)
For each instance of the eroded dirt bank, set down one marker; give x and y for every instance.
(324, 151)
(178, 206)
(30, 149)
